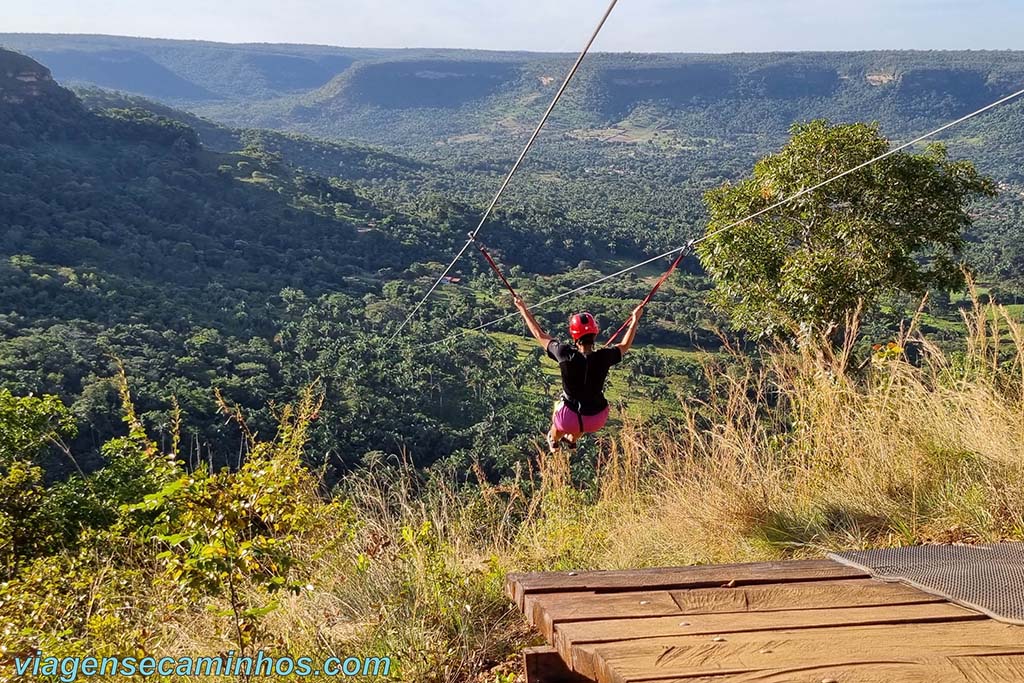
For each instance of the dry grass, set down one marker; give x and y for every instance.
(790, 457)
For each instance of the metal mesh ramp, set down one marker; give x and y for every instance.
(986, 578)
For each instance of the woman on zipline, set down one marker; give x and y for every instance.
(583, 408)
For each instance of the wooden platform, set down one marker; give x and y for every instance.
(813, 621)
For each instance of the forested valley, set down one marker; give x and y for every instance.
(240, 267)
(201, 255)
(200, 285)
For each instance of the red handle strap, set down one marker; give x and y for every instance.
(494, 266)
(654, 290)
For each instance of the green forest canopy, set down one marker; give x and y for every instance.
(255, 261)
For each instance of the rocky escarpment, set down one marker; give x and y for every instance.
(22, 78)
(32, 104)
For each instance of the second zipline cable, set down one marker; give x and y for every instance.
(707, 236)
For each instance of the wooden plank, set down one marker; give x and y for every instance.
(971, 669)
(547, 609)
(932, 671)
(704, 576)
(533, 604)
(725, 678)
(764, 652)
(573, 636)
(995, 669)
(799, 595)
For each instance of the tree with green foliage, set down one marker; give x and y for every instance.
(29, 426)
(220, 531)
(802, 269)
(220, 540)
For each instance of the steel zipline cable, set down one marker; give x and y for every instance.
(512, 171)
(694, 242)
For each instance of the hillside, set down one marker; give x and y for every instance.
(678, 95)
(627, 156)
(157, 229)
(343, 159)
(125, 237)
(418, 97)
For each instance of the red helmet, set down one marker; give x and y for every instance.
(582, 324)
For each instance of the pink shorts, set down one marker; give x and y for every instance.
(567, 421)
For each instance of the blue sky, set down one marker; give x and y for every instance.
(636, 25)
